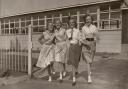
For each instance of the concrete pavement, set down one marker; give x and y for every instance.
(106, 74)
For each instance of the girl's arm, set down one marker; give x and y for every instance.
(41, 39)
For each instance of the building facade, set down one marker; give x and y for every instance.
(110, 17)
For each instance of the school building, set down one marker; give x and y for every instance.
(110, 17)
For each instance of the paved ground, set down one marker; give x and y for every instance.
(107, 74)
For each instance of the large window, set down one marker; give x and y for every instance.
(110, 17)
(106, 17)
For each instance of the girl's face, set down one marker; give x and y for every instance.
(50, 26)
(58, 24)
(88, 20)
(72, 23)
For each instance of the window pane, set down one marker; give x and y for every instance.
(2, 21)
(115, 15)
(28, 18)
(49, 15)
(105, 24)
(65, 13)
(6, 25)
(11, 25)
(23, 19)
(23, 30)
(41, 22)
(41, 16)
(49, 20)
(35, 29)
(114, 24)
(115, 5)
(82, 10)
(104, 16)
(82, 18)
(16, 24)
(12, 20)
(2, 31)
(94, 16)
(104, 7)
(35, 17)
(41, 29)
(73, 12)
(56, 14)
(28, 23)
(2, 26)
(35, 23)
(65, 20)
(22, 24)
(6, 20)
(6, 31)
(92, 9)
(16, 20)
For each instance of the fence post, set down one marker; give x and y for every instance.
(30, 50)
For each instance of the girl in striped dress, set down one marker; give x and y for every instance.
(60, 47)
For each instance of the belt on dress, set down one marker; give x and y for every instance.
(90, 39)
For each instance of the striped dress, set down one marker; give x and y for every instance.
(61, 46)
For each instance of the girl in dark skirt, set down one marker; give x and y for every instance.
(74, 48)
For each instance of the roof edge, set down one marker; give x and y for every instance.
(58, 8)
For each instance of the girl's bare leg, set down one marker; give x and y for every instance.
(89, 72)
(74, 69)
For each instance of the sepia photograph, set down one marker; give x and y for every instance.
(63, 44)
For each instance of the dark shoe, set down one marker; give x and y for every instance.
(74, 83)
(60, 80)
(76, 73)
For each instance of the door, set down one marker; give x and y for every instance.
(125, 27)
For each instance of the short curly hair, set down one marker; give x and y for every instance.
(87, 16)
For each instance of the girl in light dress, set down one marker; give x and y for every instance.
(60, 48)
(46, 56)
(88, 41)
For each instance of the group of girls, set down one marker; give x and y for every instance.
(67, 46)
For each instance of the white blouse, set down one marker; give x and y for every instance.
(89, 32)
(75, 35)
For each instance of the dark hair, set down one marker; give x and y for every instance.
(87, 16)
(71, 18)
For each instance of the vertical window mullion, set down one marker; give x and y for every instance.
(38, 24)
(9, 28)
(45, 21)
(31, 23)
(109, 17)
(60, 16)
(0, 28)
(20, 26)
(98, 18)
(78, 18)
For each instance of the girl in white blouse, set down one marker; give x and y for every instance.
(74, 48)
(88, 40)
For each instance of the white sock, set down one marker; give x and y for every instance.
(64, 73)
(50, 79)
(74, 79)
(89, 78)
(60, 75)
